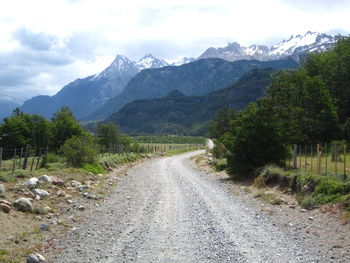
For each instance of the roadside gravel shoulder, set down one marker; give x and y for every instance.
(323, 228)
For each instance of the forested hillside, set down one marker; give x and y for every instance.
(180, 114)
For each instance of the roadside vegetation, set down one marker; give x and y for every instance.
(302, 107)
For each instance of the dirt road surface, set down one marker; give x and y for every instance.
(166, 210)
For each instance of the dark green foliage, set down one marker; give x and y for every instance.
(21, 129)
(189, 115)
(260, 139)
(79, 149)
(64, 127)
(107, 135)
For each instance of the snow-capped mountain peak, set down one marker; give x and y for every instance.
(119, 65)
(294, 46)
(149, 61)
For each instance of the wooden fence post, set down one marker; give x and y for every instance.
(318, 159)
(326, 153)
(335, 159)
(37, 163)
(295, 165)
(299, 158)
(0, 158)
(305, 163)
(31, 167)
(20, 158)
(312, 156)
(14, 161)
(25, 161)
(345, 160)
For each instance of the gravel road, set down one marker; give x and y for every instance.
(166, 210)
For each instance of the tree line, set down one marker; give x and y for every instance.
(305, 106)
(62, 134)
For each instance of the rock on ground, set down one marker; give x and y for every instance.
(23, 204)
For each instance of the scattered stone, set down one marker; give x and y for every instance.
(37, 197)
(41, 192)
(5, 208)
(82, 188)
(75, 183)
(32, 183)
(90, 173)
(292, 206)
(57, 181)
(44, 227)
(41, 257)
(70, 201)
(303, 211)
(81, 208)
(5, 202)
(37, 258)
(2, 189)
(86, 194)
(45, 178)
(23, 204)
(128, 197)
(311, 218)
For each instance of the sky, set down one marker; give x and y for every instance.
(45, 44)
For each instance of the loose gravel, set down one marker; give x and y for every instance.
(165, 210)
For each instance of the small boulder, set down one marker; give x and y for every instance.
(75, 183)
(57, 181)
(37, 258)
(82, 188)
(44, 227)
(5, 208)
(81, 208)
(45, 178)
(5, 202)
(2, 189)
(23, 204)
(40, 192)
(32, 183)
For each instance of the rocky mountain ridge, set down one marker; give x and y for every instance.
(295, 46)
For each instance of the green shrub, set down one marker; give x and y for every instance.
(308, 202)
(221, 164)
(79, 149)
(94, 168)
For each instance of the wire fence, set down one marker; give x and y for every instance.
(321, 158)
(23, 158)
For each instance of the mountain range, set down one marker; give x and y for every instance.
(98, 96)
(196, 78)
(189, 115)
(295, 46)
(83, 96)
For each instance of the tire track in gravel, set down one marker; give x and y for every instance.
(164, 210)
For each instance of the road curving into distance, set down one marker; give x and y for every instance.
(166, 210)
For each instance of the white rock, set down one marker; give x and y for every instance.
(32, 183)
(23, 204)
(75, 183)
(41, 192)
(45, 178)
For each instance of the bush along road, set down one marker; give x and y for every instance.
(166, 210)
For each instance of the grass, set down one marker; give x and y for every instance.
(309, 163)
(311, 188)
(221, 164)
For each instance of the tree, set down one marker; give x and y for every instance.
(107, 135)
(64, 127)
(261, 139)
(79, 149)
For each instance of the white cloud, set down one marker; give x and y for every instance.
(50, 43)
